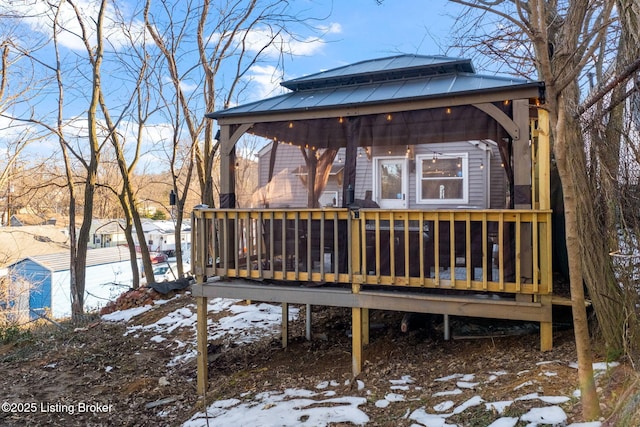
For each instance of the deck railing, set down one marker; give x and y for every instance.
(478, 250)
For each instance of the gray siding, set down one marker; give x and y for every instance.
(484, 171)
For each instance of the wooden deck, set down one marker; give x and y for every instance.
(476, 263)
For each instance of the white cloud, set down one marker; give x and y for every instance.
(185, 86)
(267, 81)
(274, 44)
(332, 28)
(38, 15)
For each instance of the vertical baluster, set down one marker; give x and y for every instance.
(518, 252)
(392, 246)
(536, 251)
(406, 247)
(501, 249)
(296, 244)
(486, 264)
(285, 255)
(436, 249)
(322, 245)
(336, 246)
(467, 255)
(309, 239)
(421, 225)
(260, 243)
(377, 247)
(452, 248)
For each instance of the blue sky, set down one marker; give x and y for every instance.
(369, 30)
(355, 30)
(362, 29)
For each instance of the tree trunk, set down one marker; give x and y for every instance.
(133, 254)
(569, 153)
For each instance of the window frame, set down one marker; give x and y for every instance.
(420, 158)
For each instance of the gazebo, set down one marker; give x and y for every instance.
(421, 246)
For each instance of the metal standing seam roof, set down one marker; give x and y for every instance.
(60, 261)
(377, 81)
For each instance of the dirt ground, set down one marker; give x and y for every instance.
(125, 380)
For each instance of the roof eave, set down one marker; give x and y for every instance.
(534, 89)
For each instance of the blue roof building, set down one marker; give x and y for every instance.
(41, 284)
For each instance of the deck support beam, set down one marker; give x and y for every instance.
(202, 343)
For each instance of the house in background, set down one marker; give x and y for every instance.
(160, 236)
(41, 284)
(465, 174)
(107, 233)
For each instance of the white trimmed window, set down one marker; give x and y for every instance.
(442, 178)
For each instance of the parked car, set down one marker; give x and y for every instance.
(157, 257)
(168, 271)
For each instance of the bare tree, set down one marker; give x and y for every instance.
(226, 46)
(16, 134)
(79, 243)
(72, 153)
(135, 62)
(560, 39)
(318, 169)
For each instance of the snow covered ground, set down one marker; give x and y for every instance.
(324, 404)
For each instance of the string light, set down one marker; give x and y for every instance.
(389, 118)
(340, 120)
(447, 110)
(290, 125)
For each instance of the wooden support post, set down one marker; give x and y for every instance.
(365, 326)
(544, 159)
(285, 324)
(523, 196)
(308, 322)
(544, 184)
(546, 328)
(447, 328)
(356, 338)
(202, 338)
